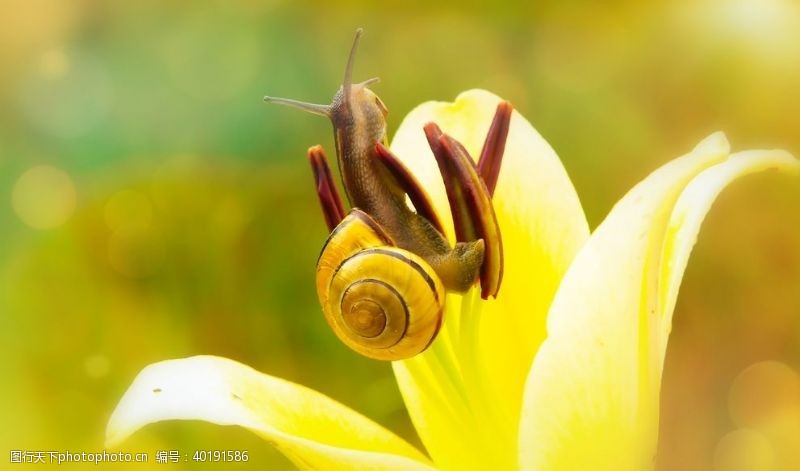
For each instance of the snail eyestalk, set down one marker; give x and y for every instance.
(368, 82)
(348, 71)
(322, 110)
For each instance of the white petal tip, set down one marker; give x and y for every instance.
(476, 93)
(716, 142)
(192, 388)
(772, 158)
(788, 160)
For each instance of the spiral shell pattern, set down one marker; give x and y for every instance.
(382, 301)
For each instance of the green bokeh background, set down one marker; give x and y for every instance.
(196, 227)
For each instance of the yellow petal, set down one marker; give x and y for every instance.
(490, 344)
(591, 400)
(689, 212)
(312, 430)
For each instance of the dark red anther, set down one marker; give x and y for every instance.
(332, 207)
(494, 146)
(470, 204)
(458, 209)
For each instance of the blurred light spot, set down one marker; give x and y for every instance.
(54, 64)
(783, 424)
(97, 366)
(783, 430)
(71, 104)
(761, 32)
(759, 19)
(744, 450)
(129, 213)
(136, 257)
(44, 197)
(26, 24)
(761, 390)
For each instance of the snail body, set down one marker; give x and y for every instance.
(359, 123)
(383, 272)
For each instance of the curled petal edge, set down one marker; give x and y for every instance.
(600, 367)
(311, 429)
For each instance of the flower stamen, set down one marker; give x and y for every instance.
(494, 146)
(329, 199)
(470, 201)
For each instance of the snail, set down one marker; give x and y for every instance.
(380, 300)
(385, 268)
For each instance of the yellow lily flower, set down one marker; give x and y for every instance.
(561, 372)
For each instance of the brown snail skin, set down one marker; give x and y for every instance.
(384, 270)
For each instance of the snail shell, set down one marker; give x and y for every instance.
(382, 301)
